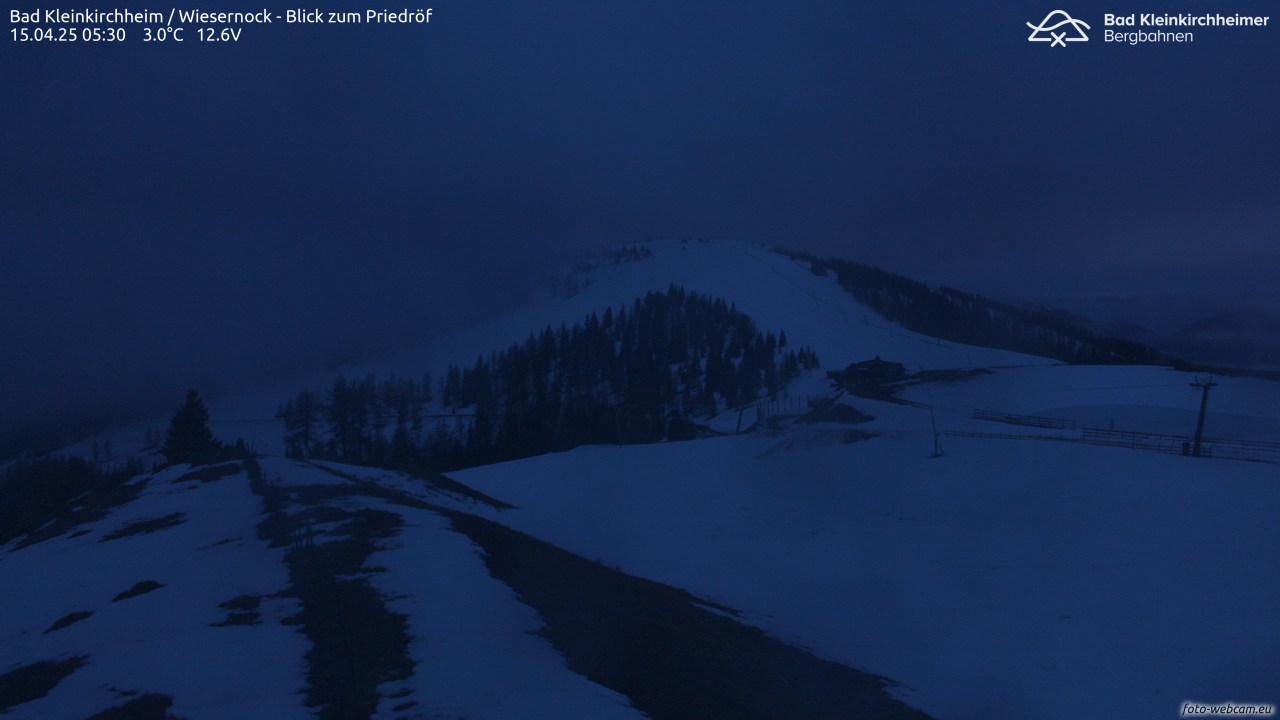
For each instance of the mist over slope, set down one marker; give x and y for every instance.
(777, 291)
(915, 525)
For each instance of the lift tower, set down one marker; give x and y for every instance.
(1204, 386)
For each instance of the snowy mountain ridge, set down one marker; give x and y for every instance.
(825, 564)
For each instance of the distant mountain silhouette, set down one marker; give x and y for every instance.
(1237, 338)
(972, 319)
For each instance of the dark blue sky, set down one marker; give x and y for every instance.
(199, 214)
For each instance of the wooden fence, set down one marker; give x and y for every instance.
(1222, 448)
(1027, 420)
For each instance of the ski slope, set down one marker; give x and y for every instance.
(165, 640)
(775, 291)
(472, 643)
(1005, 579)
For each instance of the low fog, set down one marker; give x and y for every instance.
(224, 216)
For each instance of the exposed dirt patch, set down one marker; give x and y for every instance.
(357, 643)
(89, 508)
(242, 603)
(34, 681)
(434, 480)
(674, 659)
(147, 526)
(674, 655)
(211, 473)
(139, 588)
(888, 389)
(68, 619)
(151, 706)
(449, 486)
(242, 610)
(239, 618)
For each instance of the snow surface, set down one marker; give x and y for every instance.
(777, 292)
(474, 644)
(1139, 398)
(1006, 579)
(162, 641)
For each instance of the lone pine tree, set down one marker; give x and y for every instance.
(189, 439)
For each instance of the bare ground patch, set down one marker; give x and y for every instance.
(357, 643)
(152, 706)
(68, 619)
(143, 527)
(676, 656)
(34, 681)
(139, 588)
(658, 646)
(211, 473)
(241, 610)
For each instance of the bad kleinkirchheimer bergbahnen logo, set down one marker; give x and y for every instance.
(1051, 29)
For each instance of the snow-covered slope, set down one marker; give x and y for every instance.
(227, 634)
(1005, 579)
(1008, 578)
(777, 292)
(194, 539)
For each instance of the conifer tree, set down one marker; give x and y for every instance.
(189, 439)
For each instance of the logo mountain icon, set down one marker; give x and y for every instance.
(1047, 30)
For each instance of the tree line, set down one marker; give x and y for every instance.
(972, 319)
(36, 491)
(637, 374)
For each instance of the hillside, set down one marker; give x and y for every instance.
(1004, 579)
(346, 593)
(871, 551)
